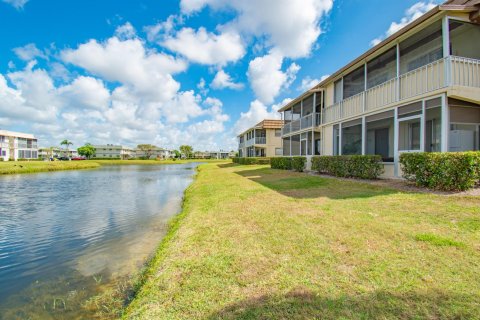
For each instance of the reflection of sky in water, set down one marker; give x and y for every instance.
(87, 221)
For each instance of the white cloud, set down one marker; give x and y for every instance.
(204, 47)
(267, 78)
(411, 14)
(17, 4)
(146, 72)
(308, 83)
(29, 52)
(256, 113)
(292, 27)
(157, 31)
(86, 92)
(125, 31)
(223, 80)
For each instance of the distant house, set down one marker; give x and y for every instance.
(111, 151)
(262, 140)
(46, 153)
(154, 153)
(213, 154)
(17, 145)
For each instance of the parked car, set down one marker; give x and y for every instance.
(63, 158)
(79, 158)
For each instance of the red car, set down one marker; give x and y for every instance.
(79, 158)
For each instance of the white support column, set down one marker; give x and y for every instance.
(314, 123)
(290, 146)
(340, 139)
(445, 124)
(365, 70)
(364, 135)
(397, 86)
(422, 128)
(446, 49)
(396, 132)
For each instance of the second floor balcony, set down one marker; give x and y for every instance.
(443, 73)
(305, 122)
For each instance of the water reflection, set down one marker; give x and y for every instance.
(64, 233)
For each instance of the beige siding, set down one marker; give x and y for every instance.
(329, 95)
(327, 140)
(272, 143)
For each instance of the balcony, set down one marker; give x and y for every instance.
(303, 123)
(440, 74)
(260, 140)
(241, 145)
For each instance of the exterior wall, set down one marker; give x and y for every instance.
(329, 94)
(272, 143)
(327, 140)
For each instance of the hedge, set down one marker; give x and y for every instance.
(288, 163)
(248, 161)
(452, 171)
(354, 166)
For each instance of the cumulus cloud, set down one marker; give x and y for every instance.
(17, 4)
(86, 92)
(256, 113)
(267, 78)
(308, 83)
(125, 31)
(223, 80)
(411, 14)
(29, 52)
(292, 27)
(205, 47)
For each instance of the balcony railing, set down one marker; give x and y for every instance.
(436, 75)
(260, 140)
(241, 145)
(303, 123)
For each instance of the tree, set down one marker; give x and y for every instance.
(176, 154)
(87, 150)
(147, 149)
(66, 143)
(186, 150)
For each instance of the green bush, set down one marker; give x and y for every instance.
(355, 166)
(288, 163)
(250, 161)
(282, 163)
(452, 171)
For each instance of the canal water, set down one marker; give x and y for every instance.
(65, 235)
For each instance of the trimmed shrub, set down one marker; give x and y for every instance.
(354, 166)
(452, 171)
(250, 161)
(288, 163)
(282, 163)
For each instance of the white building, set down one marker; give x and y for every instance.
(110, 151)
(154, 153)
(17, 145)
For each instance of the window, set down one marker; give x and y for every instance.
(354, 83)
(409, 135)
(278, 132)
(337, 94)
(286, 146)
(465, 39)
(352, 137)
(379, 135)
(278, 151)
(295, 145)
(307, 106)
(382, 68)
(336, 140)
(422, 48)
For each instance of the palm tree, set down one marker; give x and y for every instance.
(66, 143)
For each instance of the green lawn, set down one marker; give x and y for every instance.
(13, 167)
(257, 243)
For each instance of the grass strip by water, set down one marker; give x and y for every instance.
(257, 243)
(15, 167)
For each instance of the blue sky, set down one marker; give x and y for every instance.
(174, 72)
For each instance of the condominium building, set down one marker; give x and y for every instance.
(416, 91)
(46, 153)
(154, 153)
(262, 140)
(17, 145)
(111, 151)
(213, 154)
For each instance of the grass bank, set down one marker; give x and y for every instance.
(257, 243)
(14, 167)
